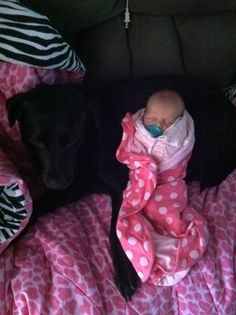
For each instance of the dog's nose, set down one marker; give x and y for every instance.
(56, 182)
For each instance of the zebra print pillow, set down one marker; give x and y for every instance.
(12, 210)
(27, 37)
(230, 92)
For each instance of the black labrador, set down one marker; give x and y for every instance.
(73, 133)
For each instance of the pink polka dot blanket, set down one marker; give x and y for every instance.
(63, 265)
(160, 233)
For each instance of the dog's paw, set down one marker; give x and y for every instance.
(126, 278)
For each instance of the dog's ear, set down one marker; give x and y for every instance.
(13, 105)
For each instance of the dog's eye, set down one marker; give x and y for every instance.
(72, 141)
(67, 140)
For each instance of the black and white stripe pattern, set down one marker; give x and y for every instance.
(12, 210)
(230, 92)
(27, 37)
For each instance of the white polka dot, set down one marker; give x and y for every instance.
(189, 217)
(125, 120)
(146, 245)
(129, 254)
(141, 183)
(150, 175)
(176, 205)
(136, 190)
(153, 167)
(193, 232)
(173, 195)
(135, 202)
(132, 240)
(143, 261)
(125, 222)
(158, 197)
(194, 254)
(137, 164)
(162, 210)
(173, 233)
(138, 227)
(147, 195)
(170, 178)
(203, 242)
(140, 274)
(169, 220)
(174, 183)
(119, 234)
(128, 193)
(184, 242)
(124, 136)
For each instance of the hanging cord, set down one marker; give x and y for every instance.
(127, 15)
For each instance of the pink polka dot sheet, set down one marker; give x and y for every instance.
(63, 265)
(161, 235)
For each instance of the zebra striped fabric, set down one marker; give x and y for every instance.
(230, 92)
(27, 37)
(12, 211)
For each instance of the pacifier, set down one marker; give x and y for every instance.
(154, 130)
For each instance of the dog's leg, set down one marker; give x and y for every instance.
(125, 277)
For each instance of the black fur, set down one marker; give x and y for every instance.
(73, 133)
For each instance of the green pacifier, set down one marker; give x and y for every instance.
(154, 131)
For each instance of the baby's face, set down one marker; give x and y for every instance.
(160, 115)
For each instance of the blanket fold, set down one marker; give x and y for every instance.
(161, 235)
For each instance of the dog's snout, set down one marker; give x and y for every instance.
(55, 181)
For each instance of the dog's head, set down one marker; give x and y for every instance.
(55, 123)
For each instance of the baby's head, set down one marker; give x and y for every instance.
(163, 108)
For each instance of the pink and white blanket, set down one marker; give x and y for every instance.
(161, 235)
(62, 266)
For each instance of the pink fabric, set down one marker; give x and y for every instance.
(15, 79)
(161, 235)
(63, 265)
(162, 148)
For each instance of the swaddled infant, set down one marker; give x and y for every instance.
(161, 127)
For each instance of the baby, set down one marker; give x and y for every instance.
(161, 235)
(162, 110)
(161, 127)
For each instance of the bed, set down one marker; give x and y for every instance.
(62, 264)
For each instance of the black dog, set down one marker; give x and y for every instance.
(73, 133)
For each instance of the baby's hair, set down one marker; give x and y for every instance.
(168, 96)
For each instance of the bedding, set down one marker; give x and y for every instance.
(62, 266)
